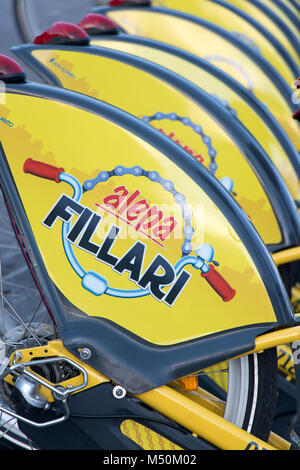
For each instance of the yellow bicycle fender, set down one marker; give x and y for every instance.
(215, 86)
(97, 74)
(83, 144)
(235, 24)
(193, 37)
(252, 10)
(283, 14)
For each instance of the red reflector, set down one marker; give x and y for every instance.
(297, 83)
(130, 3)
(63, 33)
(10, 70)
(98, 24)
(297, 115)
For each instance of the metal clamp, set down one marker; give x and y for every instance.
(59, 393)
(62, 392)
(35, 423)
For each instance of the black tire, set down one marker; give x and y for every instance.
(267, 395)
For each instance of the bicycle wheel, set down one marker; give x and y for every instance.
(34, 16)
(254, 414)
(247, 388)
(24, 319)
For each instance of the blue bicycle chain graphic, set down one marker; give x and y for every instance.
(249, 41)
(159, 116)
(236, 65)
(225, 104)
(97, 284)
(227, 182)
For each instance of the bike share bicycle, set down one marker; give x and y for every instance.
(123, 170)
(41, 55)
(93, 334)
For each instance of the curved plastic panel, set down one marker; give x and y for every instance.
(295, 4)
(207, 40)
(241, 103)
(189, 116)
(129, 229)
(88, 150)
(237, 25)
(284, 34)
(286, 11)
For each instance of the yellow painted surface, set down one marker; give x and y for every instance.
(201, 421)
(146, 438)
(232, 23)
(142, 94)
(285, 361)
(287, 256)
(55, 348)
(256, 13)
(213, 85)
(201, 41)
(84, 144)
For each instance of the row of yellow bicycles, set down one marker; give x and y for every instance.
(150, 226)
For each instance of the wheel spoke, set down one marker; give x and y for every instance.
(21, 322)
(210, 372)
(2, 433)
(194, 393)
(2, 299)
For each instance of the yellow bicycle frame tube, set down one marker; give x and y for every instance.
(174, 29)
(197, 416)
(227, 19)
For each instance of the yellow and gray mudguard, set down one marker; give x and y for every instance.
(245, 27)
(190, 116)
(270, 15)
(216, 45)
(141, 254)
(236, 98)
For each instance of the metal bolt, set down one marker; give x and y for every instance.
(119, 392)
(18, 356)
(59, 396)
(85, 354)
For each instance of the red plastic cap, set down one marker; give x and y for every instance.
(297, 83)
(130, 3)
(63, 33)
(10, 70)
(297, 115)
(95, 24)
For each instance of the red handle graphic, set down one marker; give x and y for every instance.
(43, 170)
(219, 284)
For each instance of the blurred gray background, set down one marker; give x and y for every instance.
(17, 283)
(44, 14)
